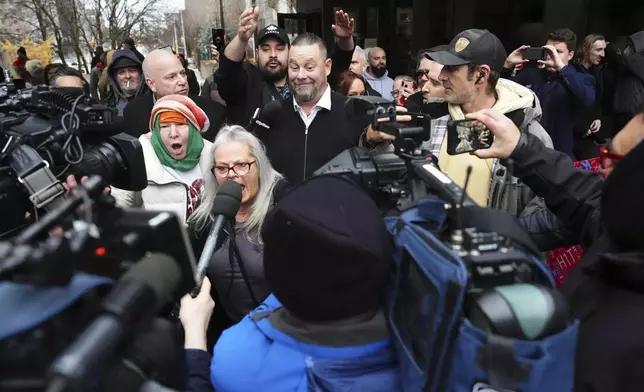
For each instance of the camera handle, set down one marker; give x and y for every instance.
(35, 175)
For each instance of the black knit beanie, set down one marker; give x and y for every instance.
(622, 207)
(327, 253)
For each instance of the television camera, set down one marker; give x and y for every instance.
(453, 260)
(406, 174)
(47, 133)
(54, 288)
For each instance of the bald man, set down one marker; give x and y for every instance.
(165, 75)
(376, 73)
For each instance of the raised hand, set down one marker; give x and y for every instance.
(553, 61)
(214, 52)
(515, 58)
(506, 134)
(344, 26)
(247, 25)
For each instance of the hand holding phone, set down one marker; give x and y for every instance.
(465, 136)
(218, 39)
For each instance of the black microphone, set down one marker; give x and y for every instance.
(138, 296)
(268, 113)
(224, 209)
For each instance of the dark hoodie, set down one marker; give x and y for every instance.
(116, 98)
(628, 67)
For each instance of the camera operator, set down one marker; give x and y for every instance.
(67, 77)
(604, 289)
(472, 63)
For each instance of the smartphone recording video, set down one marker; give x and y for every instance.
(218, 39)
(465, 136)
(535, 54)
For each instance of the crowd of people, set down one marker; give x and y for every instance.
(298, 283)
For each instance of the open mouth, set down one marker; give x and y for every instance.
(176, 147)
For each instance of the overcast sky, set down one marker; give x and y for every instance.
(174, 4)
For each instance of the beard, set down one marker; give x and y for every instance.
(460, 97)
(379, 71)
(274, 75)
(434, 100)
(306, 94)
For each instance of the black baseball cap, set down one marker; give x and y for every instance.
(274, 32)
(473, 46)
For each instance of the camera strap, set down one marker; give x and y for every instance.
(35, 175)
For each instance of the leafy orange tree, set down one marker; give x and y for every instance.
(42, 51)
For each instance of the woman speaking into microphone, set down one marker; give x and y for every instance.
(236, 269)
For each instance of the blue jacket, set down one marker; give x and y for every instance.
(565, 98)
(255, 356)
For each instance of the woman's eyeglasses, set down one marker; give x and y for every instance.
(241, 169)
(605, 154)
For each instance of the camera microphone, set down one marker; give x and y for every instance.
(137, 297)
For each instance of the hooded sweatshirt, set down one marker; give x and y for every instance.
(383, 85)
(116, 98)
(489, 184)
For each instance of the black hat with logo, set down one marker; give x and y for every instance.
(473, 46)
(272, 31)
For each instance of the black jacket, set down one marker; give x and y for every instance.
(137, 115)
(244, 88)
(193, 83)
(296, 152)
(604, 290)
(629, 77)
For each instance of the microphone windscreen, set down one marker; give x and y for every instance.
(227, 199)
(159, 272)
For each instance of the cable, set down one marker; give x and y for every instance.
(73, 154)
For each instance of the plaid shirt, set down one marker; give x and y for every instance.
(439, 129)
